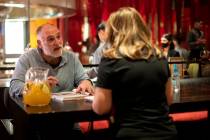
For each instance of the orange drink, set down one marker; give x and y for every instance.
(36, 94)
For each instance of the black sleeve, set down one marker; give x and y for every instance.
(191, 39)
(105, 72)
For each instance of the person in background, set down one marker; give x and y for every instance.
(65, 70)
(177, 40)
(100, 37)
(97, 55)
(168, 46)
(196, 40)
(133, 82)
(83, 55)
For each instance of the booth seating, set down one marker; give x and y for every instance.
(87, 127)
(189, 116)
(192, 117)
(99, 129)
(192, 125)
(193, 91)
(186, 86)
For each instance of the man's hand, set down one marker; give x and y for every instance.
(52, 81)
(85, 86)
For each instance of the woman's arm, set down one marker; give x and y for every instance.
(102, 103)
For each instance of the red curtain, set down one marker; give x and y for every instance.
(162, 16)
(192, 10)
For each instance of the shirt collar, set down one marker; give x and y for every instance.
(63, 60)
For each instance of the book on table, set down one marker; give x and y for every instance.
(89, 98)
(69, 95)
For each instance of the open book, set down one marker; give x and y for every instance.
(68, 95)
(89, 98)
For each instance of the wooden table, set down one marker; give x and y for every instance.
(26, 118)
(194, 95)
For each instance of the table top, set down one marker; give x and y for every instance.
(77, 110)
(55, 106)
(7, 66)
(192, 91)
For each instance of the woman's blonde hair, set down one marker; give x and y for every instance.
(128, 35)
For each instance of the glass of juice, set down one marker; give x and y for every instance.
(36, 90)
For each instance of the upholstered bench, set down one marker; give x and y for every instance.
(86, 127)
(189, 116)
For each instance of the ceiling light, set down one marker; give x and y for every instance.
(36, 9)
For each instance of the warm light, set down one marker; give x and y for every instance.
(14, 31)
(85, 29)
(13, 5)
(35, 9)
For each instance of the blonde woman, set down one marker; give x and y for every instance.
(133, 81)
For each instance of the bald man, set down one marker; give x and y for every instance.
(65, 70)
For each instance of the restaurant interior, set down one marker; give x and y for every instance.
(77, 21)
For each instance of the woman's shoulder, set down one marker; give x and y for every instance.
(161, 60)
(108, 61)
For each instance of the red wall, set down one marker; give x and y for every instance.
(162, 16)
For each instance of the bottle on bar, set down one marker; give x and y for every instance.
(176, 79)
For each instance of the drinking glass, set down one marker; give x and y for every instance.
(36, 90)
